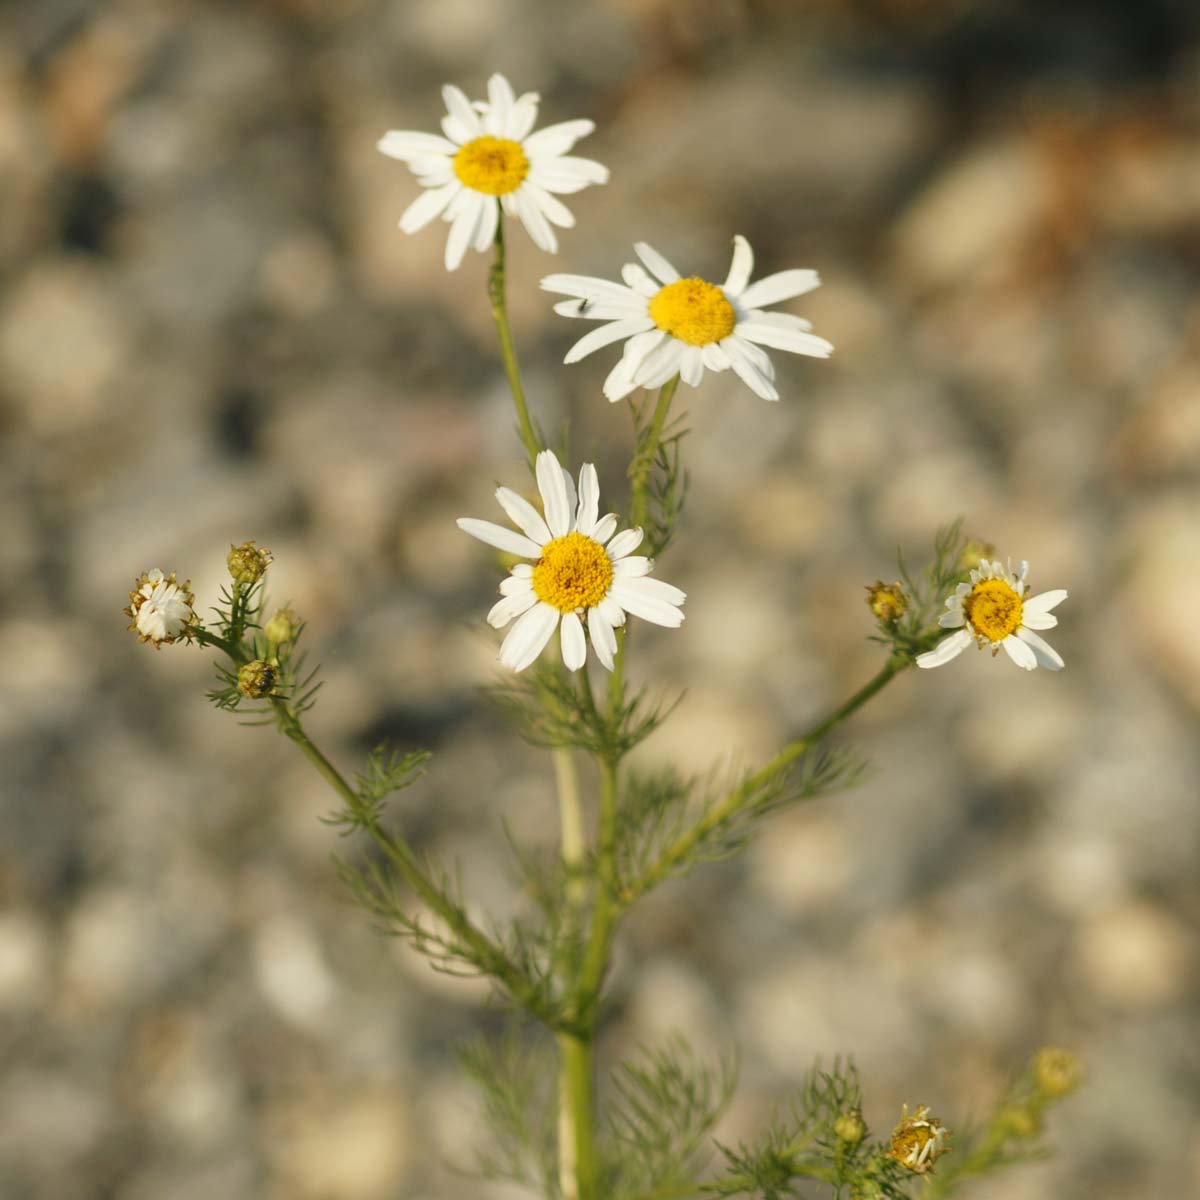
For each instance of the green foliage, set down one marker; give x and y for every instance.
(662, 1108)
(387, 772)
(659, 463)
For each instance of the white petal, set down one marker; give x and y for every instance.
(566, 175)
(601, 310)
(554, 494)
(1046, 655)
(516, 585)
(528, 637)
(784, 339)
(556, 140)
(612, 612)
(632, 566)
(778, 319)
(649, 608)
(1038, 620)
(459, 107)
(783, 286)
(456, 131)
(523, 571)
(523, 116)
(589, 499)
(641, 345)
(428, 206)
(948, 648)
(572, 498)
(1045, 601)
(500, 102)
(654, 589)
(498, 536)
(604, 641)
(589, 287)
(661, 364)
(535, 223)
(715, 359)
(462, 231)
(952, 619)
(604, 335)
(739, 268)
(626, 542)
(574, 647)
(1020, 653)
(406, 143)
(485, 230)
(747, 370)
(523, 515)
(432, 170)
(638, 278)
(604, 528)
(553, 209)
(657, 265)
(508, 607)
(691, 367)
(619, 381)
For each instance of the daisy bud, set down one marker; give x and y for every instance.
(1020, 1122)
(919, 1141)
(850, 1127)
(160, 609)
(248, 562)
(1055, 1071)
(887, 601)
(282, 627)
(256, 679)
(974, 552)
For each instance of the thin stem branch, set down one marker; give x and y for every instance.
(678, 851)
(647, 452)
(508, 350)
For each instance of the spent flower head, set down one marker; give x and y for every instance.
(160, 609)
(489, 162)
(993, 610)
(583, 570)
(248, 563)
(919, 1140)
(679, 326)
(256, 679)
(887, 601)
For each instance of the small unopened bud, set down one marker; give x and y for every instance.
(256, 679)
(282, 627)
(887, 601)
(974, 552)
(1020, 1122)
(850, 1127)
(919, 1141)
(248, 562)
(1056, 1071)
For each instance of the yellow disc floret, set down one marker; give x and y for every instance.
(574, 572)
(492, 165)
(994, 609)
(693, 311)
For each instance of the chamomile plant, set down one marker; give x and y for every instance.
(578, 584)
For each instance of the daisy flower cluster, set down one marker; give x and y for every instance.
(993, 610)
(583, 570)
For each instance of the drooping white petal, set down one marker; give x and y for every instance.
(661, 364)
(715, 359)
(691, 366)
(574, 646)
(1019, 652)
(496, 535)
(655, 263)
(459, 107)
(428, 206)
(485, 230)
(554, 494)
(604, 335)
(739, 268)
(949, 647)
(589, 500)
(641, 345)
(528, 637)
(784, 339)
(626, 542)
(464, 225)
(408, 143)
(523, 515)
(746, 369)
(612, 612)
(604, 528)
(1046, 655)
(508, 607)
(555, 140)
(618, 383)
(629, 594)
(535, 223)
(782, 286)
(604, 641)
(553, 209)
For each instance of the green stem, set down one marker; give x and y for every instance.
(647, 452)
(678, 851)
(577, 1165)
(566, 777)
(508, 351)
(604, 911)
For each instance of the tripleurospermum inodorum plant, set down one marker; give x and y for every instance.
(575, 575)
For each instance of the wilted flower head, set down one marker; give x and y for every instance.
(1056, 1071)
(247, 563)
(256, 679)
(887, 601)
(919, 1141)
(160, 608)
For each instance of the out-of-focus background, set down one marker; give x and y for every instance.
(211, 329)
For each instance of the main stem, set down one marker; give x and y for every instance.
(508, 351)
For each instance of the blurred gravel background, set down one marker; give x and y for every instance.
(211, 329)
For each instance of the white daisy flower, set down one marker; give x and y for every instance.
(160, 608)
(992, 610)
(581, 571)
(677, 326)
(488, 161)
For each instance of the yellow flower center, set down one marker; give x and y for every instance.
(693, 311)
(495, 166)
(574, 572)
(993, 609)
